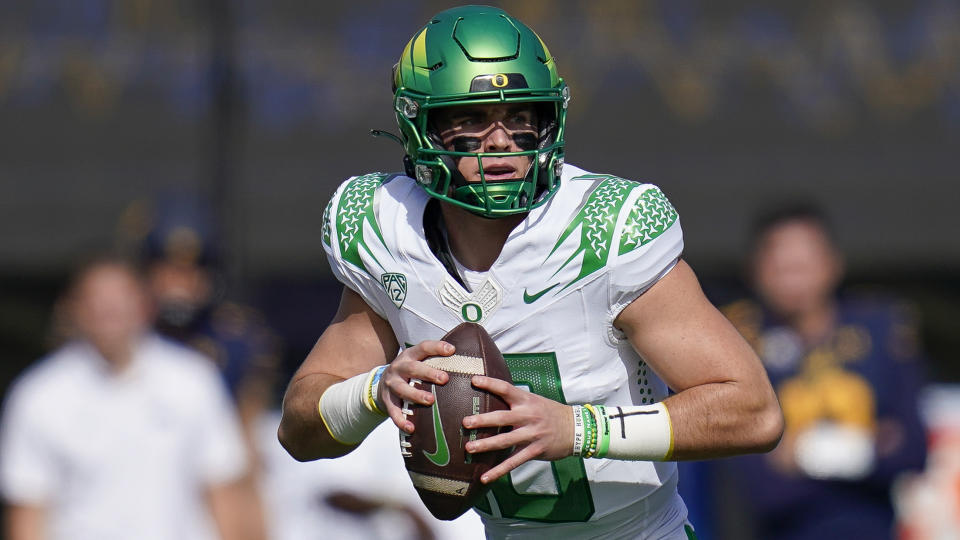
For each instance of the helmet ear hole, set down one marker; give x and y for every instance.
(546, 124)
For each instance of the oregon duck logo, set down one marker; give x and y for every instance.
(474, 306)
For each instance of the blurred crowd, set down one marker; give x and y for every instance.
(824, 61)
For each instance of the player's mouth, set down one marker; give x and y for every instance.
(499, 171)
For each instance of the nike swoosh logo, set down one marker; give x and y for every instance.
(531, 298)
(441, 457)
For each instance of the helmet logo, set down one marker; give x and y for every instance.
(498, 81)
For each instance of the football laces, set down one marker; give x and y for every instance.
(407, 411)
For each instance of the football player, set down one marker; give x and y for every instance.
(577, 276)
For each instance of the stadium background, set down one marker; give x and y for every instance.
(263, 108)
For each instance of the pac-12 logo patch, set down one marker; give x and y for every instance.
(396, 286)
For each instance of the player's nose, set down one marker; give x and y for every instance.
(499, 139)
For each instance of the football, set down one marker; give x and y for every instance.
(443, 473)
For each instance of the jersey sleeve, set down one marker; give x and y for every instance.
(353, 241)
(220, 453)
(28, 468)
(648, 246)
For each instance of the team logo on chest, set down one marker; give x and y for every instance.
(471, 307)
(396, 286)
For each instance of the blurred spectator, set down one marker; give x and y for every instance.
(928, 503)
(120, 434)
(847, 372)
(176, 239)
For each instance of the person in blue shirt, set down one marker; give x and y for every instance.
(847, 371)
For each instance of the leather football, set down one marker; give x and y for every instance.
(443, 473)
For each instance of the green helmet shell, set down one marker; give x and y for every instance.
(475, 55)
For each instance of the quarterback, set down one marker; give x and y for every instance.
(621, 364)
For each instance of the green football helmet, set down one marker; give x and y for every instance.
(479, 55)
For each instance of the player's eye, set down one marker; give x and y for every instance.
(468, 120)
(525, 140)
(523, 120)
(466, 144)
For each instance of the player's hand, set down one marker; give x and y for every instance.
(395, 381)
(542, 428)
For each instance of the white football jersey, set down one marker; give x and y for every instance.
(549, 302)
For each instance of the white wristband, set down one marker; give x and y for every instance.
(640, 433)
(578, 431)
(345, 409)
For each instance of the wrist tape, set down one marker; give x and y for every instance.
(635, 432)
(638, 432)
(350, 409)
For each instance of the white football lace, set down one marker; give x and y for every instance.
(404, 443)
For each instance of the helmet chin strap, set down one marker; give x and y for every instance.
(529, 176)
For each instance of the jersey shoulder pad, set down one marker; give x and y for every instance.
(614, 216)
(351, 225)
(649, 215)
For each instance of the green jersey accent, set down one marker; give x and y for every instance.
(441, 457)
(531, 298)
(597, 220)
(326, 223)
(355, 209)
(573, 501)
(651, 214)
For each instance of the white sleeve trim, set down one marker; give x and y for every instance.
(615, 335)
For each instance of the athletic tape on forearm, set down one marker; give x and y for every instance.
(345, 408)
(637, 432)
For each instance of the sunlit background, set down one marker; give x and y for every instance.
(259, 109)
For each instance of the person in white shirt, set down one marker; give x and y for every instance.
(120, 434)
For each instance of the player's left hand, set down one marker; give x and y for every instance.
(542, 428)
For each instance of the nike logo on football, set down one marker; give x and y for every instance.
(441, 457)
(531, 298)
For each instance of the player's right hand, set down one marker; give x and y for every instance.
(395, 382)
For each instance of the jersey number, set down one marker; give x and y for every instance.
(572, 501)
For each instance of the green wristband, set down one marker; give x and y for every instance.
(603, 434)
(596, 429)
(590, 429)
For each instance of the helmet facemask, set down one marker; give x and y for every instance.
(493, 197)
